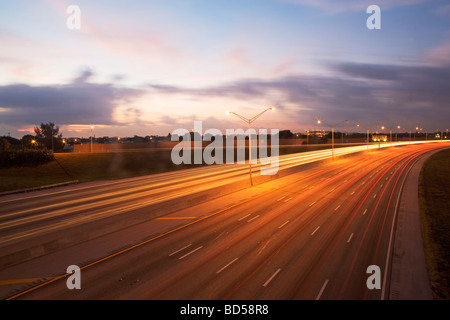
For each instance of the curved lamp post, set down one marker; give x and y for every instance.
(249, 122)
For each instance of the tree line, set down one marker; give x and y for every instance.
(31, 149)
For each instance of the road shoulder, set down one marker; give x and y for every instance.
(409, 275)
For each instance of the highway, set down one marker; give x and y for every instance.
(24, 216)
(307, 235)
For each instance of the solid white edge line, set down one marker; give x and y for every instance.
(383, 288)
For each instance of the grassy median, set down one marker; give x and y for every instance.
(434, 196)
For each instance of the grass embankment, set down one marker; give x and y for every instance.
(434, 196)
(86, 167)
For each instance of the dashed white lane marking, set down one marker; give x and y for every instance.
(321, 290)
(271, 278)
(350, 238)
(242, 218)
(283, 224)
(315, 230)
(175, 252)
(226, 266)
(190, 253)
(253, 218)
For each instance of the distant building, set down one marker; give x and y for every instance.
(379, 138)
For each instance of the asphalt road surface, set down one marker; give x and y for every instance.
(308, 235)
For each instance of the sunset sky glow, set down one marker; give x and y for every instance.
(150, 67)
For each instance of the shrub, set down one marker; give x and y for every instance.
(25, 157)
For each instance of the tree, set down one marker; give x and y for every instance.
(4, 145)
(27, 141)
(48, 135)
(286, 134)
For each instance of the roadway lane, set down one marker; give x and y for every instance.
(309, 235)
(24, 215)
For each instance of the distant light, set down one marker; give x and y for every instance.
(273, 108)
(228, 113)
(319, 122)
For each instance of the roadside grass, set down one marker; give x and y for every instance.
(434, 199)
(86, 167)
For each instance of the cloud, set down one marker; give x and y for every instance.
(440, 56)
(369, 71)
(333, 7)
(79, 102)
(367, 94)
(85, 75)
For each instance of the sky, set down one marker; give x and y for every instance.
(150, 67)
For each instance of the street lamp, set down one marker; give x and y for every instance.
(367, 136)
(249, 121)
(332, 134)
(390, 134)
(92, 128)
